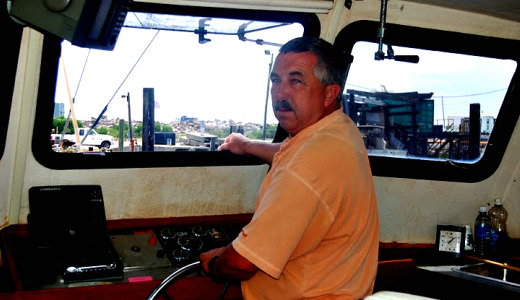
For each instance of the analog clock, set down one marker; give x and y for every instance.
(450, 240)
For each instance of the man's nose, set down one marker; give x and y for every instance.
(279, 90)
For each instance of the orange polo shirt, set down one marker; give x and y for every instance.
(315, 231)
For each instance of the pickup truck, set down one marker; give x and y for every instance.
(93, 139)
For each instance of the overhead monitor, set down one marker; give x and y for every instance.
(85, 23)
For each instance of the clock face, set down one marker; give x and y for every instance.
(450, 241)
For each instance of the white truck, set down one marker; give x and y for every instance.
(93, 139)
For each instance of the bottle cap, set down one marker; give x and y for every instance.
(482, 209)
(498, 202)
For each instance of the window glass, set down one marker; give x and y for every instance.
(184, 82)
(423, 110)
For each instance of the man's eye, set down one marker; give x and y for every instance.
(275, 80)
(296, 80)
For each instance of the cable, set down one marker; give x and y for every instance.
(128, 75)
(224, 289)
(471, 95)
(83, 71)
(456, 96)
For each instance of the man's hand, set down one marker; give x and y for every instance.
(241, 145)
(235, 143)
(229, 264)
(207, 256)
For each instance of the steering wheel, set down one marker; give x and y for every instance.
(168, 281)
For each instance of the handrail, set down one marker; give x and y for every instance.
(506, 266)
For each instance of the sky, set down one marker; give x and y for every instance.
(226, 78)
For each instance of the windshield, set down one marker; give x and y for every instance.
(195, 79)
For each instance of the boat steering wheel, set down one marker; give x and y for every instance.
(168, 281)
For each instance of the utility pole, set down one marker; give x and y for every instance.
(129, 122)
(148, 120)
(267, 52)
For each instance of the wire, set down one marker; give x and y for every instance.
(224, 289)
(106, 106)
(128, 75)
(83, 71)
(471, 95)
(456, 96)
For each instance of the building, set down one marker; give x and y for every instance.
(486, 124)
(59, 110)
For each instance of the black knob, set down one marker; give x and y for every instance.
(135, 248)
(160, 253)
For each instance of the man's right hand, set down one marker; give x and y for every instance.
(236, 143)
(239, 144)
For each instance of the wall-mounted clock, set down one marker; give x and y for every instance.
(450, 241)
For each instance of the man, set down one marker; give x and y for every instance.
(314, 234)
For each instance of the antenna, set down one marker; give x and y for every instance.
(380, 55)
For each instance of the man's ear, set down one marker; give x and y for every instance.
(331, 94)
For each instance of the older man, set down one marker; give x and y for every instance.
(315, 232)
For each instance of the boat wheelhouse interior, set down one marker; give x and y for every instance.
(113, 112)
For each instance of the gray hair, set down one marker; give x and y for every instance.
(331, 65)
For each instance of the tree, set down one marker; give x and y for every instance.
(167, 128)
(221, 133)
(114, 131)
(270, 131)
(59, 123)
(102, 130)
(157, 127)
(138, 130)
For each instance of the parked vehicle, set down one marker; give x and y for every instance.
(86, 138)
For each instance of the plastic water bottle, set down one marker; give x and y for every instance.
(482, 233)
(498, 217)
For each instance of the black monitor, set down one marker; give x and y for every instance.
(66, 214)
(85, 23)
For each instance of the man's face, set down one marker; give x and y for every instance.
(299, 98)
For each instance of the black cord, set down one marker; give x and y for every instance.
(212, 274)
(224, 289)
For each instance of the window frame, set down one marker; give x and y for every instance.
(13, 38)
(46, 90)
(445, 170)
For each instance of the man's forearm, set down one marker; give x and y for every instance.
(262, 150)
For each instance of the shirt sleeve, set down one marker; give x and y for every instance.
(286, 208)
